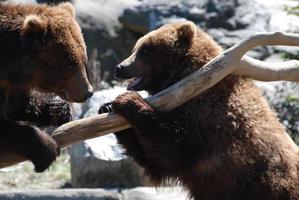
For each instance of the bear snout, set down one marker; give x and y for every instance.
(123, 72)
(88, 94)
(79, 98)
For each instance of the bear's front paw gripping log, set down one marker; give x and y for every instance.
(46, 150)
(60, 112)
(130, 102)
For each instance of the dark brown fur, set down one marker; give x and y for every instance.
(224, 144)
(42, 52)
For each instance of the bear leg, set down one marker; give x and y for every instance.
(161, 135)
(128, 139)
(29, 142)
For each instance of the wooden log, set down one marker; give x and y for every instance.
(230, 61)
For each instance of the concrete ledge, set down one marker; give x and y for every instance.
(141, 193)
(63, 194)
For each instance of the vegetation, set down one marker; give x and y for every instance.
(286, 104)
(285, 100)
(22, 176)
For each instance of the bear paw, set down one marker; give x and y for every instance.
(106, 108)
(44, 152)
(130, 103)
(60, 112)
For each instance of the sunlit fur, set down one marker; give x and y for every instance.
(42, 52)
(224, 144)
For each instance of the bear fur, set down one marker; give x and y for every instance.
(42, 53)
(224, 144)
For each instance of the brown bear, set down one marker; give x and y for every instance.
(224, 144)
(42, 53)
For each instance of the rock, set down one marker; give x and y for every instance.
(102, 31)
(90, 169)
(62, 194)
(220, 14)
(227, 21)
(149, 15)
(281, 20)
(147, 193)
(52, 1)
(21, 1)
(99, 162)
(141, 193)
(228, 14)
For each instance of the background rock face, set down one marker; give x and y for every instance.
(92, 167)
(52, 1)
(228, 14)
(102, 31)
(100, 162)
(112, 27)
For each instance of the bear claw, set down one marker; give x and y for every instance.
(106, 108)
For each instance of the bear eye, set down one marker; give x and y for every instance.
(143, 51)
(70, 67)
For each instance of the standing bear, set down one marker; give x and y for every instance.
(42, 53)
(224, 144)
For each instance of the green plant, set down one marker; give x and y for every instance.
(286, 103)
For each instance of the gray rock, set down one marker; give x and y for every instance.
(104, 166)
(227, 21)
(147, 193)
(148, 15)
(21, 1)
(52, 1)
(100, 162)
(228, 14)
(69, 194)
(102, 31)
(141, 193)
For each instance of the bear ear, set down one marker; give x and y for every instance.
(34, 25)
(68, 7)
(186, 32)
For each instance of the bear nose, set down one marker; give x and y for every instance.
(88, 94)
(119, 67)
(118, 70)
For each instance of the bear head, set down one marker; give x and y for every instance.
(166, 55)
(60, 58)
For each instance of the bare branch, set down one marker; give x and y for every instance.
(230, 61)
(262, 71)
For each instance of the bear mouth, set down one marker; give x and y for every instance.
(64, 96)
(136, 84)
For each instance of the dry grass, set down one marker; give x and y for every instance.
(22, 176)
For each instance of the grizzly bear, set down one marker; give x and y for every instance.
(42, 53)
(224, 144)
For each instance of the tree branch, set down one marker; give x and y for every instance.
(230, 61)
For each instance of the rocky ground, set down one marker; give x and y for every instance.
(97, 194)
